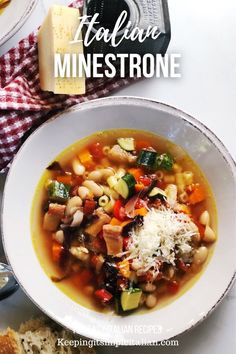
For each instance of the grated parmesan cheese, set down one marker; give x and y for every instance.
(163, 235)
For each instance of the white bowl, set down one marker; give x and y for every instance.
(82, 120)
(13, 17)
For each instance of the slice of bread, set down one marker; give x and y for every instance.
(39, 336)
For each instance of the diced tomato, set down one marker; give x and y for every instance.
(57, 250)
(96, 150)
(145, 180)
(140, 203)
(182, 266)
(142, 144)
(173, 287)
(89, 206)
(119, 211)
(103, 295)
(77, 181)
(145, 278)
(125, 243)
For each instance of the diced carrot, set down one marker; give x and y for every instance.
(142, 144)
(86, 159)
(115, 221)
(136, 172)
(124, 268)
(142, 211)
(139, 187)
(125, 223)
(66, 179)
(197, 195)
(57, 250)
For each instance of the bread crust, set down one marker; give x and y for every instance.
(10, 343)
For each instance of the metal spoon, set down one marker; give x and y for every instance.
(8, 284)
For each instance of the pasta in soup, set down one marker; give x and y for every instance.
(123, 220)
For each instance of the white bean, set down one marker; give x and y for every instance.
(107, 172)
(58, 236)
(209, 235)
(204, 218)
(81, 253)
(95, 176)
(83, 192)
(72, 205)
(148, 287)
(151, 301)
(77, 218)
(170, 272)
(77, 167)
(93, 187)
(200, 255)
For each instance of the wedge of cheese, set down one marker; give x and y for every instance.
(54, 36)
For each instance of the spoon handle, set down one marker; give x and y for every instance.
(8, 284)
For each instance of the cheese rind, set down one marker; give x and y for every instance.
(54, 36)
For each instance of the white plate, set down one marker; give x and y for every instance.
(82, 120)
(14, 16)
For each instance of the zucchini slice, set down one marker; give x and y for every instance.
(146, 158)
(157, 193)
(126, 144)
(125, 186)
(58, 192)
(130, 299)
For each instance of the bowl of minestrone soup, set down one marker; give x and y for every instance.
(121, 212)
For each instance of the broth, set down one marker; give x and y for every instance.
(79, 284)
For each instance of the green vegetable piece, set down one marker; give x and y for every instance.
(147, 158)
(126, 144)
(126, 186)
(164, 161)
(130, 299)
(157, 193)
(58, 192)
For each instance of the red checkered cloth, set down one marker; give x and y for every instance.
(23, 106)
